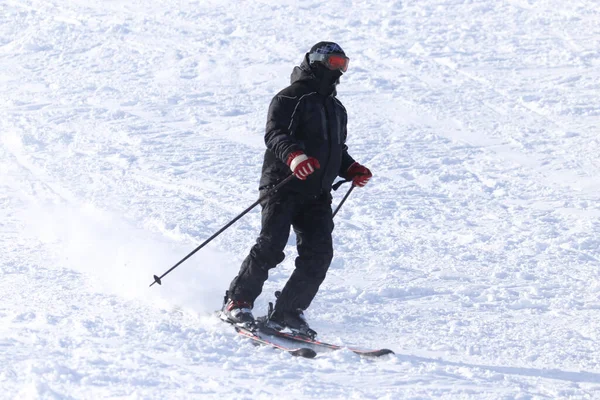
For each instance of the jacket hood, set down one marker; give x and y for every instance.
(303, 72)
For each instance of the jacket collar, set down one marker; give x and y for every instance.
(303, 73)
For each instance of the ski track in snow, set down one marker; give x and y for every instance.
(130, 132)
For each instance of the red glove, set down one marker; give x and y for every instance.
(359, 174)
(302, 165)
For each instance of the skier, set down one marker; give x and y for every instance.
(305, 135)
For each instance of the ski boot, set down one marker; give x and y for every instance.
(237, 313)
(292, 320)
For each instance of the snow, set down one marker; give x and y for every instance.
(132, 131)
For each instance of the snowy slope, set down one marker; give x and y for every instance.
(131, 131)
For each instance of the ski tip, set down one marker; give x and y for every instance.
(304, 352)
(377, 353)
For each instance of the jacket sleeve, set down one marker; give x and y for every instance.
(347, 159)
(281, 123)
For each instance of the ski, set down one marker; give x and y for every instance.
(318, 343)
(262, 335)
(258, 339)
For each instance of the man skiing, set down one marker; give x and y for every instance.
(305, 135)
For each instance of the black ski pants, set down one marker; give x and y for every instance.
(312, 220)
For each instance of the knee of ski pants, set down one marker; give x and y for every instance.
(268, 252)
(315, 247)
(317, 265)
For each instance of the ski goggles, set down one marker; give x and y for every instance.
(331, 61)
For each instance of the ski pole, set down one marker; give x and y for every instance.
(336, 187)
(157, 279)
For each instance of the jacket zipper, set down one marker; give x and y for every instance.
(329, 139)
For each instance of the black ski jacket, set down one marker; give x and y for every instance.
(302, 117)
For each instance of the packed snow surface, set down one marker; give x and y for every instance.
(132, 131)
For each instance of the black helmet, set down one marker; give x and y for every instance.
(329, 54)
